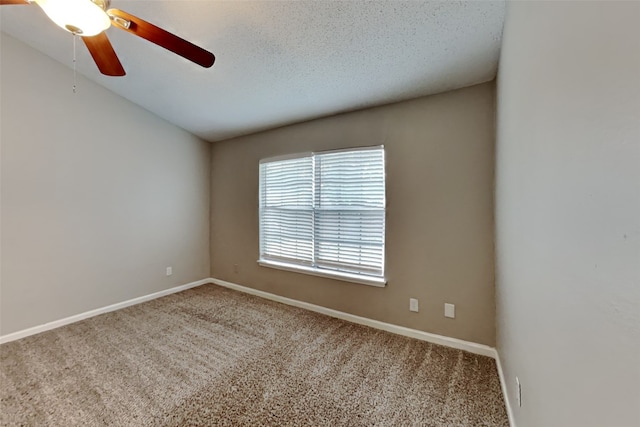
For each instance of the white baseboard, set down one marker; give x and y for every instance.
(471, 347)
(75, 318)
(505, 392)
(481, 349)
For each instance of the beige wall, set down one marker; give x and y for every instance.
(439, 153)
(98, 195)
(568, 212)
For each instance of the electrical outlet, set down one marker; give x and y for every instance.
(449, 310)
(169, 271)
(413, 304)
(518, 392)
(236, 268)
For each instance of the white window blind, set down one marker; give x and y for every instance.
(325, 211)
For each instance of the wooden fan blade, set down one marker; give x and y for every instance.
(3, 2)
(103, 54)
(161, 37)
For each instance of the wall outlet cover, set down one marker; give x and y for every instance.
(413, 304)
(169, 271)
(449, 310)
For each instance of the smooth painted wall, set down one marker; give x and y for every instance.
(98, 195)
(439, 229)
(568, 212)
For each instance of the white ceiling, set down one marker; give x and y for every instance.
(280, 62)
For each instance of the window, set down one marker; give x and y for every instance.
(324, 214)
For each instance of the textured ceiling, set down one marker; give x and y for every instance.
(280, 62)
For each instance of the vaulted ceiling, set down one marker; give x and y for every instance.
(280, 62)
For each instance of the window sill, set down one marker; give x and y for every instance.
(345, 277)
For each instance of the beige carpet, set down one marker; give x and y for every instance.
(212, 356)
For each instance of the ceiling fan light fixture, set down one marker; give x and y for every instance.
(82, 17)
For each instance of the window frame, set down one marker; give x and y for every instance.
(361, 278)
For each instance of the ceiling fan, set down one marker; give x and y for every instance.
(90, 18)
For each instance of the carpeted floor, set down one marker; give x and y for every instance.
(213, 356)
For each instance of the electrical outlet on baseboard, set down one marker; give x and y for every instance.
(169, 271)
(413, 305)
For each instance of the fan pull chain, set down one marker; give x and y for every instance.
(74, 62)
